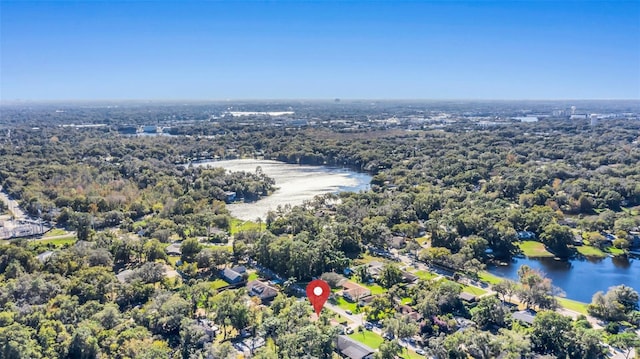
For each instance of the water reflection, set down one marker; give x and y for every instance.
(579, 278)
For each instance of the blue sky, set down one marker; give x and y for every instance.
(61, 50)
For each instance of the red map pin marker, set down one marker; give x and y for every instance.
(318, 292)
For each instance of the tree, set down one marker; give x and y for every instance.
(625, 341)
(390, 275)
(551, 333)
(557, 238)
(489, 312)
(84, 344)
(388, 350)
(17, 341)
(190, 247)
(616, 304)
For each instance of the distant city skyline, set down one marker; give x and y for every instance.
(195, 50)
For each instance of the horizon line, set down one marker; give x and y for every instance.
(334, 100)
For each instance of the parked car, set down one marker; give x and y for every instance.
(348, 312)
(368, 326)
(420, 352)
(348, 330)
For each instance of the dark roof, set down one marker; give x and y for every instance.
(409, 277)
(525, 316)
(351, 348)
(262, 290)
(240, 269)
(468, 297)
(231, 275)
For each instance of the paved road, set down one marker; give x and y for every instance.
(13, 205)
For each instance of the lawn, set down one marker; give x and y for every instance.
(534, 249)
(368, 338)
(489, 278)
(615, 251)
(590, 251)
(473, 290)
(375, 289)
(423, 240)
(218, 283)
(57, 242)
(424, 275)
(366, 258)
(55, 232)
(173, 259)
(345, 305)
(253, 276)
(406, 300)
(238, 225)
(573, 305)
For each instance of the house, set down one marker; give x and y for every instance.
(525, 316)
(398, 242)
(408, 311)
(209, 328)
(349, 348)
(124, 275)
(577, 239)
(42, 257)
(375, 268)
(229, 196)
(265, 292)
(353, 292)
(174, 249)
(468, 297)
(408, 277)
(526, 235)
(230, 276)
(240, 269)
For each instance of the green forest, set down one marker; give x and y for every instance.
(460, 197)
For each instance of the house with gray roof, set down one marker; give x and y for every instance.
(349, 348)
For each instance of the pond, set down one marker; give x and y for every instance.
(295, 183)
(580, 279)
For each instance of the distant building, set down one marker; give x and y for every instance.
(525, 235)
(174, 249)
(230, 196)
(349, 348)
(42, 257)
(124, 275)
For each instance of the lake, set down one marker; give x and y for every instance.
(295, 183)
(579, 278)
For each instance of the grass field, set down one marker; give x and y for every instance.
(253, 276)
(373, 341)
(368, 338)
(424, 275)
(590, 251)
(573, 305)
(375, 289)
(238, 225)
(489, 278)
(615, 251)
(173, 260)
(219, 283)
(473, 290)
(57, 242)
(55, 232)
(345, 305)
(534, 249)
